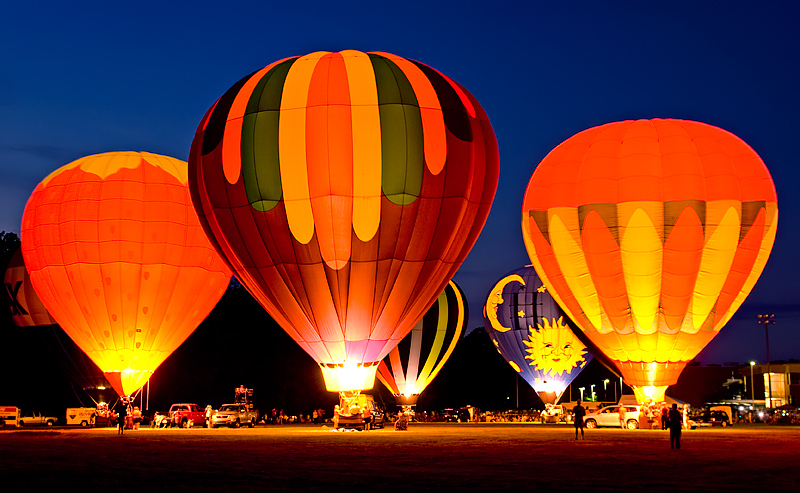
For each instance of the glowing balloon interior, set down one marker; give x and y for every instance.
(26, 308)
(533, 334)
(117, 255)
(650, 234)
(344, 189)
(417, 359)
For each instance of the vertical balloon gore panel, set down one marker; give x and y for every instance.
(418, 358)
(117, 255)
(650, 234)
(345, 190)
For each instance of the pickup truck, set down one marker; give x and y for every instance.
(186, 415)
(234, 415)
(36, 418)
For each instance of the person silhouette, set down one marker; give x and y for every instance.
(675, 424)
(578, 412)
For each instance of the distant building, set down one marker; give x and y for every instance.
(699, 385)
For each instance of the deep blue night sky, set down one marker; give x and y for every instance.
(81, 78)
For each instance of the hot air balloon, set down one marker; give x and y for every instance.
(650, 234)
(345, 189)
(417, 359)
(118, 257)
(533, 334)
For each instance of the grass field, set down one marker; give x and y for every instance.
(503, 456)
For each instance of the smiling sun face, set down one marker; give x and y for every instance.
(554, 348)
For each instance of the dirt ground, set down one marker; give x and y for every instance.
(502, 456)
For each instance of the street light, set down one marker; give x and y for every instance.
(594, 399)
(605, 390)
(752, 386)
(767, 320)
(581, 389)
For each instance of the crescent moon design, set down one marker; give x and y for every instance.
(495, 299)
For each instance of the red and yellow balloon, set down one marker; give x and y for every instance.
(118, 257)
(650, 234)
(345, 189)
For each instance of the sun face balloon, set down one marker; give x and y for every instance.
(26, 308)
(117, 255)
(554, 348)
(418, 358)
(650, 234)
(345, 189)
(531, 332)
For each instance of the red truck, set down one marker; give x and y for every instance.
(186, 415)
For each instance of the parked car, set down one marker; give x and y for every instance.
(707, 419)
(234, 415)
(609, 416)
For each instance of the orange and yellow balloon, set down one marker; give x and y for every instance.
(345, 189)
(650, 234)
(117, 255)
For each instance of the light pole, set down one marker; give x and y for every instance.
(605, 390)
(767, 320)
(752, 386)
(594, 399)
(581, 389)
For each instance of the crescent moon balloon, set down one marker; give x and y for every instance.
(495, 299)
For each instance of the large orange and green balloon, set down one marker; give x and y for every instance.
(413, 364)
(345, 189)
(650, 234)
(118, 257)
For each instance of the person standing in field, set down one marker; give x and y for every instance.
(622, 417)
(578, 412)
(675, 425)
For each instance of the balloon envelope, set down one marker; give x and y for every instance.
(533, 334)
(117, 255)
(650, 234)
(417, 359)
(345, 189)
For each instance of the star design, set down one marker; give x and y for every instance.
(521, 314)
(541, 289)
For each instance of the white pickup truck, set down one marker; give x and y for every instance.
(35, 418)
(234, 415)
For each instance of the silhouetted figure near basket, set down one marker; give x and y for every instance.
(123, 412)
(675, 425)
(578, 412)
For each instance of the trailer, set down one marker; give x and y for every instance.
(9, 416)
(83, 416)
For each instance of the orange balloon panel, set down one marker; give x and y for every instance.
(26, 308)
(650, 234)
(117, 254)
(345, 189)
